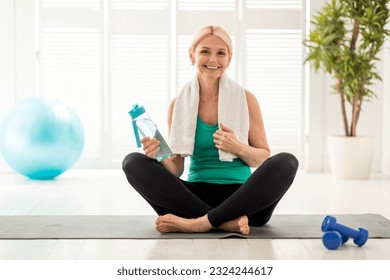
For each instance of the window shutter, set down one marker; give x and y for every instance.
(71, 65)
(90, 4)
(276, 4)
(140, 74)
(139, 70)
(139, 4)
(209, 5)
(273, 60)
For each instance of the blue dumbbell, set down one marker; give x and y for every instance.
(344, 238)
(332, 240)
(359, 236)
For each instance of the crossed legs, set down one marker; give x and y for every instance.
(181, 209)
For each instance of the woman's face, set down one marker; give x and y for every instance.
(211, 57)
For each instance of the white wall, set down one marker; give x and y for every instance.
(17, 51)
(315, 94)
(25, 49)
(386, 110)
(18, 59)
(7, 58)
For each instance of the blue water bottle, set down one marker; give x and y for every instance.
(144, 126)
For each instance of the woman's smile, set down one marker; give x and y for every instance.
(212, 67)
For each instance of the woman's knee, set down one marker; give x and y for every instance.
(288, 161)
(133, 161)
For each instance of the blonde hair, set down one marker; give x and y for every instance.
(211, 30)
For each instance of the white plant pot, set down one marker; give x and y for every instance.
(350, 157)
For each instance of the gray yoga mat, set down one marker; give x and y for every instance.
(142, 227)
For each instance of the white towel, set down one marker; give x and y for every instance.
(232, 112)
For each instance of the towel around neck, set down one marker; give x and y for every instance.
(232, 111)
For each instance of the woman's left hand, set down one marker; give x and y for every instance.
(226, 140)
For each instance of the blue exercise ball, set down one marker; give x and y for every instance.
(41, 138)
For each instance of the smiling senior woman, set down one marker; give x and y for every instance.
(219, 125)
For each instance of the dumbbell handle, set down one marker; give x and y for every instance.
(347, 231)
(330, 224)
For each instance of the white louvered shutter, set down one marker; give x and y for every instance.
(139, 68)
(207, 5)
(70, 66)
(140, 74)
(273, 60)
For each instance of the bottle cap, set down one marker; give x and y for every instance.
(136, 111)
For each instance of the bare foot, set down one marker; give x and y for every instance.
(173, 223)
(239, 225)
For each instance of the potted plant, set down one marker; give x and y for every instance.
(345, 42)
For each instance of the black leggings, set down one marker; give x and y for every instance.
(256, 198)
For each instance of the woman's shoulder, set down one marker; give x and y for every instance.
(253, 103)
(173, 101)
(251, 98)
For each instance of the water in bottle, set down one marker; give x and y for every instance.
(144, 126)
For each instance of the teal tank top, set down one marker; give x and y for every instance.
(205, 165)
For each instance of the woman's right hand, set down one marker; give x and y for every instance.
(175, 165)
(150, 147)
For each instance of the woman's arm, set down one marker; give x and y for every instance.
(175, 165)
(258, 150)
